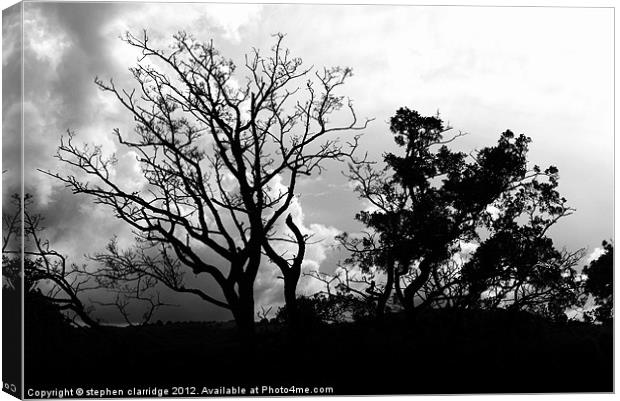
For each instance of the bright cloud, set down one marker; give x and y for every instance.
(201, 20)
(46, 42)
(595, 254)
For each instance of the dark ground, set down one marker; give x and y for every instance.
(440, 352)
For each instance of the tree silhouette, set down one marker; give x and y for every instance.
(522, 273)
(428, 202)
(349, 294)
(221, 159)
(599, 283)
(51, 285)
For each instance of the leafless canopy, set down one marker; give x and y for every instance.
(220, 157)
(45, 270)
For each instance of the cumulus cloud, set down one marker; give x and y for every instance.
(65, 47)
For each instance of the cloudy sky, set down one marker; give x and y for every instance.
(544, 72)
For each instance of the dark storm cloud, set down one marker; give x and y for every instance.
(63, 53)
(84, 58)
(11, 102)
(60, 88)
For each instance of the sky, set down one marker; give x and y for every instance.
(543, 72)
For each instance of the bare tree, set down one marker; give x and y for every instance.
(45, 270)
(220, 158)
(133, 276)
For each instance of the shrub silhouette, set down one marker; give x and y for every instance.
(429, 200)
(599, 283)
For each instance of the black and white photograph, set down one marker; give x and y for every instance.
(283, 200)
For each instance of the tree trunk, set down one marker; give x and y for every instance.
(385, 296)
(409, 294)
(291, 277)
(245, 324)
(290, 298)
(242, 308)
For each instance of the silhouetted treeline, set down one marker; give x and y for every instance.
(439, 351)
